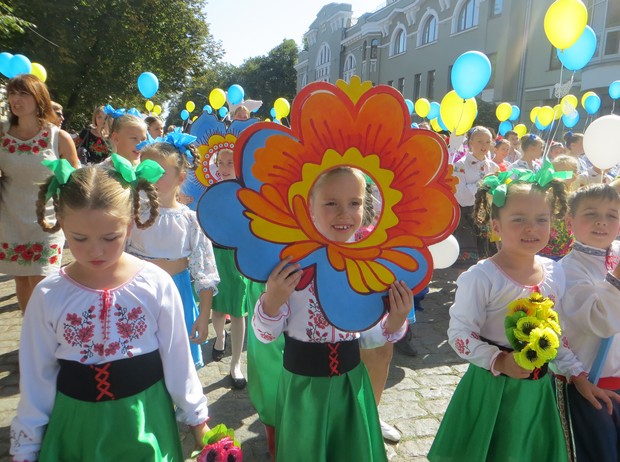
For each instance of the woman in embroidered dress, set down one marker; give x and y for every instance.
(104, 354)
(330, 403)
(91, 143)
(26, 252)
(176, 243)
(501, 411)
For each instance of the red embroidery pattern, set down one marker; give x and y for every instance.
(33, 146)
(475, 335)
(333, 359)
(266, 336)
(27, 254)
(462, 346)
(103, 385)
(317, 330)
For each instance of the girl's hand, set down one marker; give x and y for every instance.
(199, 432)
(200, 329)
(280, 285)
(401, 303)
(593, 393)
(506, 364)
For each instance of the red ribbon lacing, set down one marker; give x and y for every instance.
(333, 359)
(103, 385)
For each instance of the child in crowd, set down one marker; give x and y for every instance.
(154, 126)
(501, 411)
(593, 175)
(501, 149)
(574, 145)
(556, 149)
(176, 243)
(469, 170)
(532, 147)
(127, 132)
(514, 154)
(591, 313)
(104, 355)
(340, 420)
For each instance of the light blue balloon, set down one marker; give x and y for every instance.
(580, 53)
(208, 109)
(222, 111)
(235, 94)
(539, 125)
(277, 121)
(5, 60)
(441, 124)
(415, 125)
(409, 104)
(570, 120)
(19, 64)
(272, 112)
(504, 127)
(614, 88)
(433, 113)
(516, 112)
(184, 114)
(592, 104)
(148, 84)
(471, 72)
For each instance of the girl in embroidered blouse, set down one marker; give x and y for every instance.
(340, 416)
(104, 356)
(177, 244)
(501, 411)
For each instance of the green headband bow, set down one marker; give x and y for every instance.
(148, 170)
(542, 177)
(498, 187)
(62, 170)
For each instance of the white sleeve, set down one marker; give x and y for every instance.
(202, 261)
(465, 192)
(38, 370)
(179, 372)
(377, 336)
(267, 328)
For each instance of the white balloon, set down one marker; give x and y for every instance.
(601, 141)
(444, 253)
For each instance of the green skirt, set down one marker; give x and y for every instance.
(323, 419)
(141, 428)
(264, 363)
(230, 298)
(500, 419)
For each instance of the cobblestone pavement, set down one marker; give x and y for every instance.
(416, 395)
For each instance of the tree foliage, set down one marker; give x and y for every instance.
(9, 23)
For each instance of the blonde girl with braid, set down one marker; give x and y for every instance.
(104, 358)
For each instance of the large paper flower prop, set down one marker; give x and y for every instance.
(265, 216)
(212, 135)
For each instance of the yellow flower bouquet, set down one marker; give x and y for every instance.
(533, 330)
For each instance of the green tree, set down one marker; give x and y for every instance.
(9, 23)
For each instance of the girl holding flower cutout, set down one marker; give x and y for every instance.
(504, 398)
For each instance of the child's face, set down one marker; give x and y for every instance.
(337, 206)
(97, 239)
(576, 148)
(125, 141)
(535, 150)
(226, 164)
(169, 183)
(501, 151)
(242, 114)
(156, 129)
(556, 151)
(524, 222)
(595, 222)
(513, 140)
(480, 143)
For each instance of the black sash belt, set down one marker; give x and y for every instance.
(536, 374)
(108, 381)
(320, 359)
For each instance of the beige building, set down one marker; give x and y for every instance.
(412, 45)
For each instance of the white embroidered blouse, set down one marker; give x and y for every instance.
(302, 319)
(479, 310)
(177, 234)
(65, 320)
(470, 171)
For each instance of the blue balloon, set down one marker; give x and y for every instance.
(434, 111)
(277, 121)
(580, 53)
(539, 125)
(19, 64)
(409, 104)
(614, 88)
(415, 125)
(184, 114)
(148, 84)
(504, 127)
(516, 112)
(471, 72)
(222, 111)
(272, 111)
(208, 109)
(5, 60)
(441, 124)
(592, 104)
(235, 94)
(570, 120)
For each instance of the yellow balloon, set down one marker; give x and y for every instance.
(422, 107)
(565, 21)
(435, 125)
(569, 104)
(534, 113)
(521, 130)
(282, 107)
(157, 109)
(267, 119)
(585, 96)
(557, 112)
(39, 71)
(545, 115)
(502, 112)
(190, 106)
(149, 105)
(457, 114)
(217, 98)
(194, 118)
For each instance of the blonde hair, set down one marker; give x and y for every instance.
(126, 121)
(97, 188)
(569, 163)
(93, 120)
(167, 152)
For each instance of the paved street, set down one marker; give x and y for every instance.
(416, 396)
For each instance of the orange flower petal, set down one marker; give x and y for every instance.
(266, 209)
(401, 259)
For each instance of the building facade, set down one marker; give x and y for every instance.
(412, 45)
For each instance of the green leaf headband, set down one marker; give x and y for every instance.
(148, 170)
(62, 170)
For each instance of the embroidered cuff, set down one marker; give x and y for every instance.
(264, 317)
(394, 336)
(494, 371)
(613, 280)
(581, 374)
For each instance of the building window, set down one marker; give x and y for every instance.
(304, 80)
(430, 84)
(323, 61)
(349, 68)
(429, 31)
(495, 8)
(401, 85)
(364, 50)
(390, 83)
(374, 47)
(467, 16)
(450, 87)
(399, 42)
(554, 61)
(417, 84)
(612, 43)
